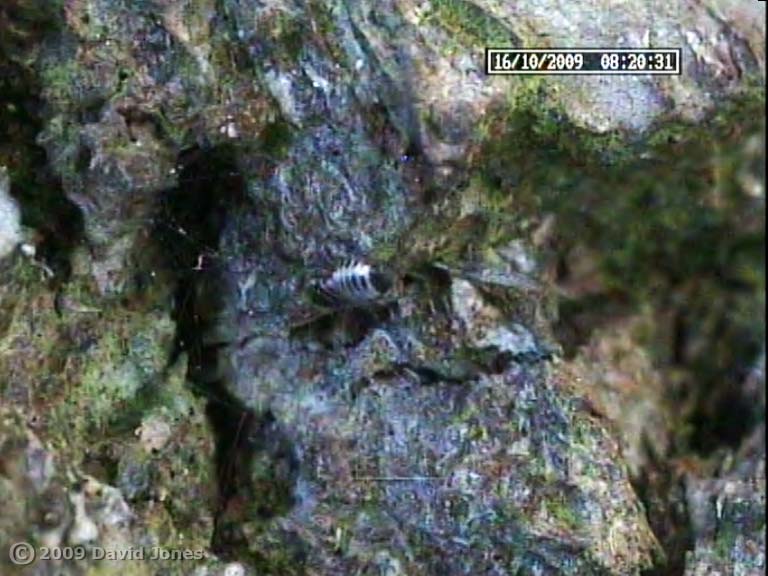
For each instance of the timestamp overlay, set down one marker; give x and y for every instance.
(658, 61)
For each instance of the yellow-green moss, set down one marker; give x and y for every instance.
(643, 205)
(469, 24)
(119, 376)
(559, 509)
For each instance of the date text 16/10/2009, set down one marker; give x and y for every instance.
(657, 61)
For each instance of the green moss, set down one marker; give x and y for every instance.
(275, 139)
(272, 492)
(563, 512)
(60, 81)
(645, 207)
(289, 34)
(24, 23)
(725, 542)
(469, 24)
(452, 239)
(177, 132)
(666, 217)
(325, 29)
(285, 557)
(117, 382)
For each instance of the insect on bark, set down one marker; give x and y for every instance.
(354, 283)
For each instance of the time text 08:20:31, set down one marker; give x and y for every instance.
(582, 61)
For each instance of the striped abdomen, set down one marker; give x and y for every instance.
(354, 283)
